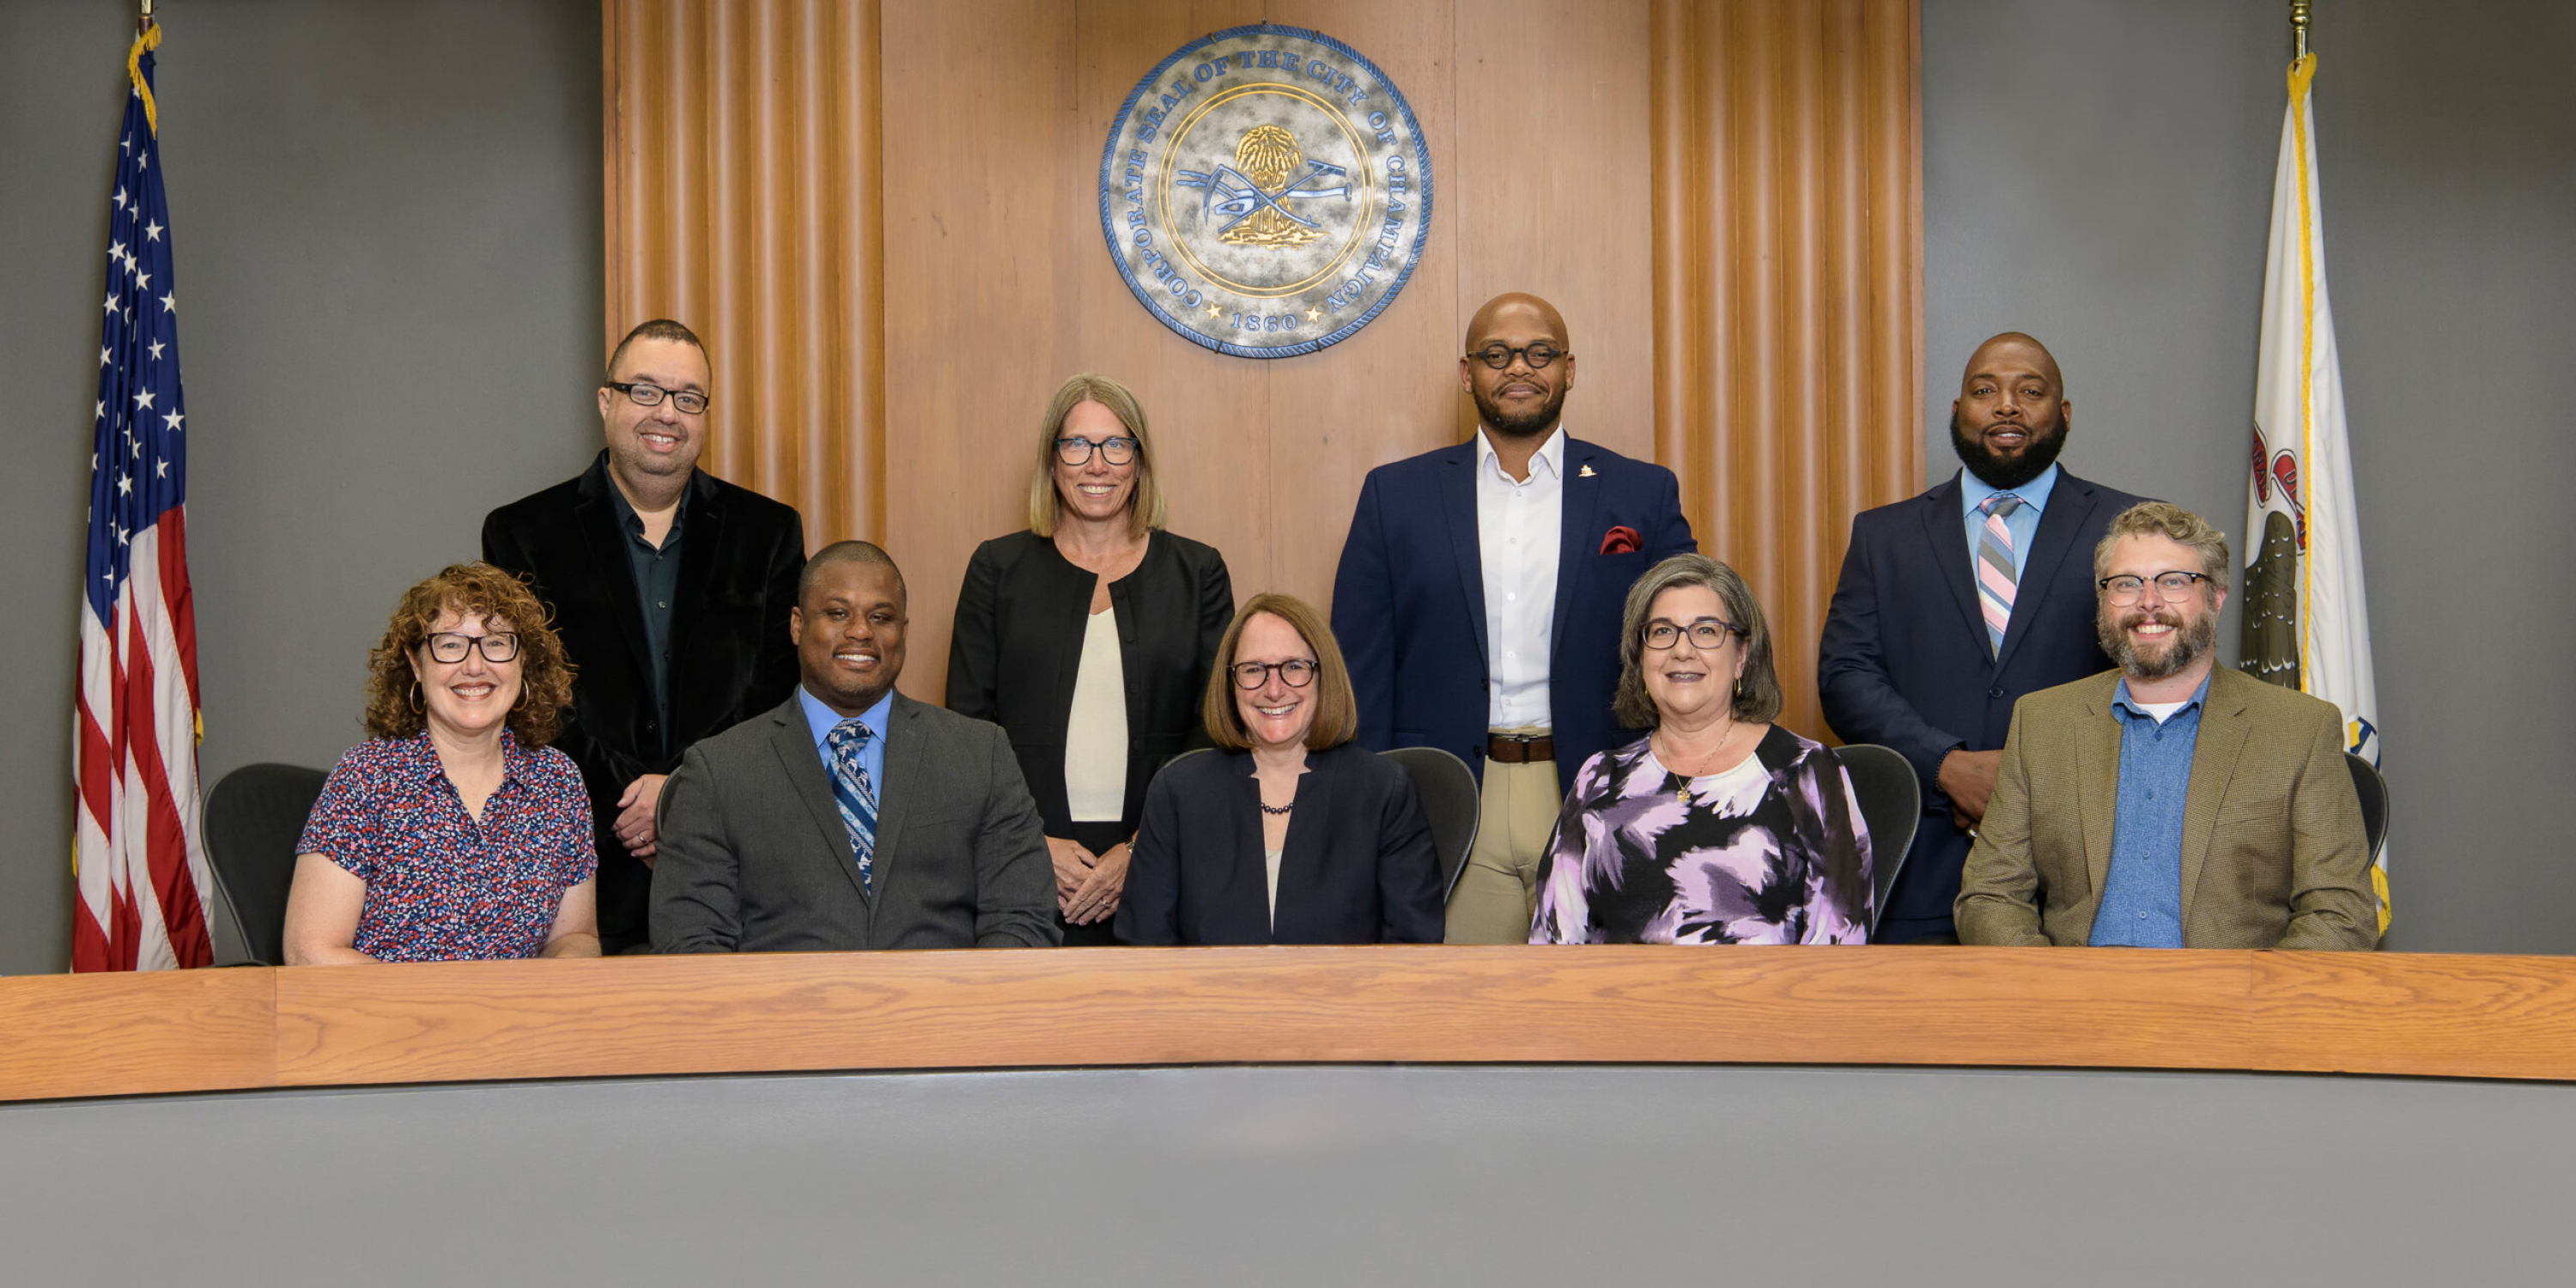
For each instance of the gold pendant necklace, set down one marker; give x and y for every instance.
(1682, 782)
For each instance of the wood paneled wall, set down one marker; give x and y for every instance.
(1788, 234)
(1550, 147)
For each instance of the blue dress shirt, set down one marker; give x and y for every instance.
(2023, 523)
(871, 757)
(2142, 896)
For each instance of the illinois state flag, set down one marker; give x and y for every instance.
(136, 853)
(2307, 622)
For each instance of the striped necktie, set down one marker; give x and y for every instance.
(1995, 575)
(856, 796)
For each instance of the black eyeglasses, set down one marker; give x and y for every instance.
(643, 394)
(2169, 585)
(450, 647)
(1296, 673)
(1077, 451)
(1499, 355)
(1707, 632)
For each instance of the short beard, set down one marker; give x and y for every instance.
(2003, 475)
(1543, 416)
(2190, 642)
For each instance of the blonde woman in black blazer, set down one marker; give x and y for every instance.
(1291, 833)
(1094, 577)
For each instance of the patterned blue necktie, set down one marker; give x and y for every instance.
(856, 796)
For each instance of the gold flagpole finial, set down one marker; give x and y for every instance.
(2298, 27)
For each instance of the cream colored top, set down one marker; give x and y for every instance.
(1095, 738)
(1270, 860)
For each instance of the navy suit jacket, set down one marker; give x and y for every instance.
(1409, 599)
(1903, 659)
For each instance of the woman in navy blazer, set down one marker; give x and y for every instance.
(1288, 833)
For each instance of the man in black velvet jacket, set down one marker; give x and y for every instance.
(670, 588)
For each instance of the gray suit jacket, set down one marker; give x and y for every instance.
(2272, 848)
(754, 857)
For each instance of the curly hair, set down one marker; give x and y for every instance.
(395, 708)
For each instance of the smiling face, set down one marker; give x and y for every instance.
(2157, 638)
(1095, 490)
(849, 634)
(1519, 399)
(660, 441)
(2010, 419)
(471, 697)
(1277, 715)
(1688, 680)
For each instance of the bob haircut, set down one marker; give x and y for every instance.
(1146, 509)
(395, 708)
(1757, 694)
(1337, 711)
(2174, 523)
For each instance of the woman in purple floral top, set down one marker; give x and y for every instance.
(1719, 827)
(454, 831)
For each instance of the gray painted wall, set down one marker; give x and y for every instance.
(388, 253)
(389, 217)
(2099, 173)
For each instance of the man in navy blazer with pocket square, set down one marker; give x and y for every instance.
(1479, 598)
(1933, 635)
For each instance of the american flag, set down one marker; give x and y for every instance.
(136, 848)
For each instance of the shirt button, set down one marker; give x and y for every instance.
(661, 603)
(1513, 595)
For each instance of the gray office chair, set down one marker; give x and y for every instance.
(1891, 805)
(2373, 790)
(254, 817)
(1450, 802)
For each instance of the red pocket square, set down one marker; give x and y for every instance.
(1621, 540)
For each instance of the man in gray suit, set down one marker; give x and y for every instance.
(851, 816)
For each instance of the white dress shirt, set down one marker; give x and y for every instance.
(1518, 527)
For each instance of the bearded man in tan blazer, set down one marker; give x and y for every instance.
(2173, 802)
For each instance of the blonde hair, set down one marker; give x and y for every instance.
(1337, 709)
(1146, 509)
(2174, 523)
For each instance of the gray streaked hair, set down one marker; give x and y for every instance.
(1757, 697)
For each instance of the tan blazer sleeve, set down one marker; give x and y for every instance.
(1998, 902)
(2331, 902)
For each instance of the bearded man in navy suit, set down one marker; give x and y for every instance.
(1954, 604)
(1479, 599)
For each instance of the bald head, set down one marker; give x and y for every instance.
(1516, 306)
(1518, 401)
(2010, 419)
(867, 553)
(2014, 351)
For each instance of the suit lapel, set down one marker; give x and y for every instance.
(2223, 730)
(1945, 529)
(701, 537)
(1246, 853)
(903, 773)
(2069, 505)
(1301, 856)
(793, 740)
(2097, 780)
(605, 538)
(1458, 505)
(1581, 497)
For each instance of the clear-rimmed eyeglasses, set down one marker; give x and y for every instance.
(1077, 451)
(1707, 632)
(450, 646)
(1296, 673)
(646, 394)
(2124, 591)
(1499, 355)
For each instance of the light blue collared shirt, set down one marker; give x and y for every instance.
(871, 757)
(2142, 895)
(2023, 523)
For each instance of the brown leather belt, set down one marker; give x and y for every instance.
(1519, 748)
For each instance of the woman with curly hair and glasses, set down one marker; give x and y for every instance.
(454, 831)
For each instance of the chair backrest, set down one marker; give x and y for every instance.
(1891, 805)
(2368, 783)
(1450, 801)
(253, 819)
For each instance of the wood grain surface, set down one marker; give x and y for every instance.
(2417, 1014)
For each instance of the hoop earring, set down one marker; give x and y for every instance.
(414, 695)
(522, 703)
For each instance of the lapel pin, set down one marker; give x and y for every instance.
(1584, 473)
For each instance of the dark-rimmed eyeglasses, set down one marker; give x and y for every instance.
(450, 647)
(1296, 673)
(1499, 355)
(2169, 585)
(1077, 451)
(645, 394)
(1707, 632)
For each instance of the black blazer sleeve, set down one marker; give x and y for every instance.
(774, 669)
(1216, 612)
(1149, 907)
(972, 650)
(1410, 908)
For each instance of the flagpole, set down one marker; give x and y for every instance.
(2298, 27)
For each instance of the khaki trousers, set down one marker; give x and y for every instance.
(1497, 893)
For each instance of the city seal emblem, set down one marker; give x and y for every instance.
(1265, 191)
